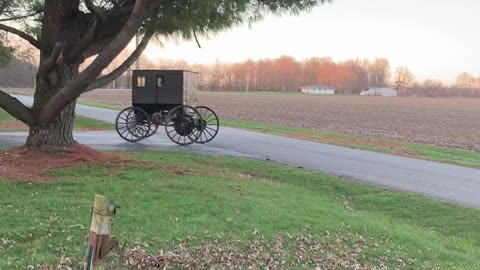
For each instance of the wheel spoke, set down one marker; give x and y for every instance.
(124, 130)
(208, 132)
(207, 127)
(174, 136)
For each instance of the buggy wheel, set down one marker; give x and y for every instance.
(133, 124)
(208, 124)
(181, 123)
(153, 129)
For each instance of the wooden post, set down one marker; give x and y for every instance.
(98, 242)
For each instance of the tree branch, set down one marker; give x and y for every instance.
(123, 67)
(77, 51)
(16, 108)
(77, 85)
(37, 44)
(105, 27)
(47, 66)
(196, 39)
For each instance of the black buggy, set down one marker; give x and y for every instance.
(166, 98)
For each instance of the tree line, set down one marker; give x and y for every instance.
(286, 74)
(283, 74)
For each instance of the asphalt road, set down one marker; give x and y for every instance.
(441, 181)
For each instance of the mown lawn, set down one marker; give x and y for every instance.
(8, 123)
(231, 200)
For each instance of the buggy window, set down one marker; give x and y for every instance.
(141, 81)
(160, 81)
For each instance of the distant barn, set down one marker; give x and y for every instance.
(379, 91)
(318, 89)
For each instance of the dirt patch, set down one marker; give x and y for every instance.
(21, 164)
(24, 165)
(303, 136)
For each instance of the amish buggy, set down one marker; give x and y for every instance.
(166, 98)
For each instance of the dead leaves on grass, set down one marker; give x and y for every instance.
(333, 251)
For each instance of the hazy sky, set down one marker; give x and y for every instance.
(434, 38)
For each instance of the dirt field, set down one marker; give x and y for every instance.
(445, 122)
(453, 122)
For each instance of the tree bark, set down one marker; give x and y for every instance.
(58, 27)
(58, 134)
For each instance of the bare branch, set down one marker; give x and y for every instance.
(123, 67)
(16, 108)
(77, 85)
(37, 44)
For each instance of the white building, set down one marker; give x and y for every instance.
(318, 89)
(379, 91)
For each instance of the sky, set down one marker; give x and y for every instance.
(436, 39)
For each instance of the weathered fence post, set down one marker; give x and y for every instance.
(99, 243)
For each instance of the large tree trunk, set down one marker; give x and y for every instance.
(57, 135)
(58, 27)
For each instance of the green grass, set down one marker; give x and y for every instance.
(103, 105)
(446, 155)
(86, 123)
(5, 117)
(81, 123)
(227, 198)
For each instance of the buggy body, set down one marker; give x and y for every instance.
(167, 98)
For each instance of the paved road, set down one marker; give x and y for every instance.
(442, 181)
